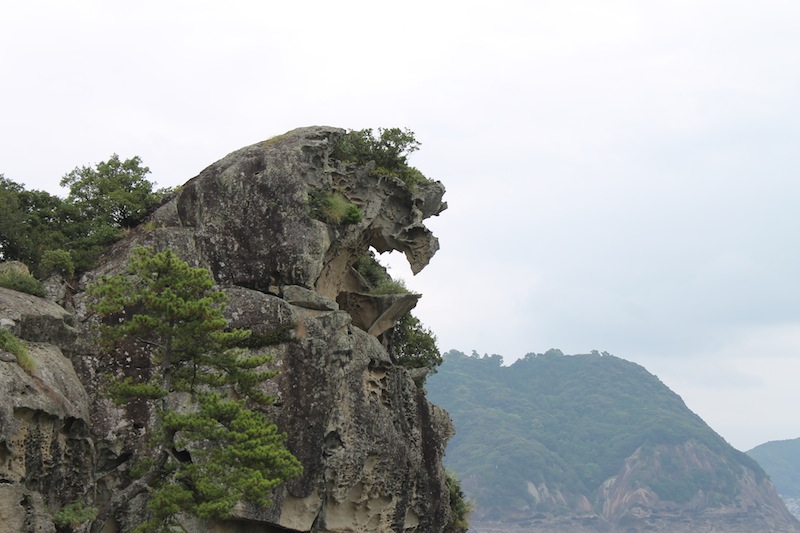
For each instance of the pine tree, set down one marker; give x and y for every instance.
(235, 452)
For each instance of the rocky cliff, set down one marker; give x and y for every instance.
(370, 443)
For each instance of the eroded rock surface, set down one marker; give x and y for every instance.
(46, 453)
(369, 441)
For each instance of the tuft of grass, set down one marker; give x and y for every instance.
(12, 345)
(411, 176)
(150, 225)
(277, 336)
(390, 286)
(21, 281)
(333, 208)
(378, 279)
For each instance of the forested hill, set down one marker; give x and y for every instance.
(585, 435)
(781, 460)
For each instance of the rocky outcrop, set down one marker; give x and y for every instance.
(370, 443)
(247, 216)
(46, 453)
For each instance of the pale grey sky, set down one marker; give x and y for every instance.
(622, 175)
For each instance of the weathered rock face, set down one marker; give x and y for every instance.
(247, 216)
(46, 453)
(369, 441)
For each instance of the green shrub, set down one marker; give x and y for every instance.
(411, 176)
(459, 506)
(333, 208)
(378, 279)
(371, 270)
(21, 281)
(390, 286)
(413, 345)
(410, 343)
(388, 149)
(352, 214)
(56, 262)
(74, 515)
(12, 345)
(150, 225)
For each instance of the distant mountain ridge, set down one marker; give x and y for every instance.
(593, 443)
(781, 460)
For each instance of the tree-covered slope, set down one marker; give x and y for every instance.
(781, 460)
(544, 434)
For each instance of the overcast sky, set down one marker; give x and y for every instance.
(621, 175)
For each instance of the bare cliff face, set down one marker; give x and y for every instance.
(370, 443)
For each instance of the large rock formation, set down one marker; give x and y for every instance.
(370, 443)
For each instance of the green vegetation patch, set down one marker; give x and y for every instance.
(74, 515)
(56, 262)
(460, 507)
(569, 422)
(411, 344)
(388, 149)
(12, 345)
(377, 277)
(21, 281)
(103, 202)
(333, 208)
(277, 336)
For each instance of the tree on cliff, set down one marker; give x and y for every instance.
(103, 201)
(234, 452)
(114, 193)
(32, 222)
(106, 199)
(411, 344)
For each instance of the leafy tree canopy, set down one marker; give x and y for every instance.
(413, 345)
(32, 223)
(114, 193)
(171, 310)
(103, 201)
